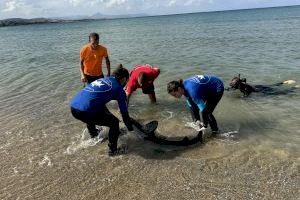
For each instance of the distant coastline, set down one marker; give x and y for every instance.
(99, 16)
(21, 21)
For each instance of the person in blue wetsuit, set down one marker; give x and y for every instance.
(202, 92)
(88, 105)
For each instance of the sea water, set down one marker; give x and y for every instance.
(45, 156)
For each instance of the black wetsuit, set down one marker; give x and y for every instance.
(247, 89)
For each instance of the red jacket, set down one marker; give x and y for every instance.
(133, 84)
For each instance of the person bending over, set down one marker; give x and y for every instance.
(202, 92)
(142, 76)
(88, 106)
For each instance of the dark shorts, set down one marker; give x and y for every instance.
(92, 78)
(148, 90)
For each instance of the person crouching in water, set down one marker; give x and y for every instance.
(241, 84)
(202, 92)
(89, 106)
(142, 76)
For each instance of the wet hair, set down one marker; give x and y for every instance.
(174, 85)
(120, 72)
(237, 81)
(94, 35)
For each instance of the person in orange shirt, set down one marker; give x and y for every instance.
(91, 56)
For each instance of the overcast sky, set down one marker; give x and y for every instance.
(61, 8)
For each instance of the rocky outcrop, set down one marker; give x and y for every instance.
(97, 16)
(20, 21)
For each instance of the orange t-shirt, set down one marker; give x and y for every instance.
(92, 59)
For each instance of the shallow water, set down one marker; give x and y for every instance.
(44, 155)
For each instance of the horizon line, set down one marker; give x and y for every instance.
(150, 15)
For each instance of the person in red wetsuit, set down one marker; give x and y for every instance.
(142, 76)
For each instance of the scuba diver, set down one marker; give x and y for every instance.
(242, 85)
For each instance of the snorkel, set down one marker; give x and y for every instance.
(237, 81)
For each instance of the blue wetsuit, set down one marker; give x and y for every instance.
(89, 106)
(203, 92)
(94, 96)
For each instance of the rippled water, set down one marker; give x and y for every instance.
(45, 156)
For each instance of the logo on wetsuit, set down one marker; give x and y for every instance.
(100, 85)
(201, 79)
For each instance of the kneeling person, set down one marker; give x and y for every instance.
(89, 105)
